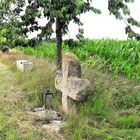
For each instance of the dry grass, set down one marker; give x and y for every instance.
(19, 93)
(112, 112)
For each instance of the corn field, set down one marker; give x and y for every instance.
(122, 57)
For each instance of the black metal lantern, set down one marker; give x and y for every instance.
(48, 99)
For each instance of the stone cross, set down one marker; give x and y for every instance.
(69, 82)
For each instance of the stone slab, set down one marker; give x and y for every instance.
(55, 126)
(24, 65)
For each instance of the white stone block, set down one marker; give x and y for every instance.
(24, 65)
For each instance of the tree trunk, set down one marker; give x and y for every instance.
(58, 44)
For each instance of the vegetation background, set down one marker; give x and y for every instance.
(112, 66)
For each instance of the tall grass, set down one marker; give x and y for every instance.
(111, 113)
(36, 83)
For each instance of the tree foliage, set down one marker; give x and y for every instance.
(23, 15)
(121, 11)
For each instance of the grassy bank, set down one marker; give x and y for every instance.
(121, 57)
(34, 83)
(112, 113)
(15, 124)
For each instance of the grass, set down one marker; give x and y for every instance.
(111, 113)
(14, 123)
(20, 92)
(38, 81)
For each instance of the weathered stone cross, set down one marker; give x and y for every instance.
(69, 82)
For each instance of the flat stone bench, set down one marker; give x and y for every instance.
(24, 65)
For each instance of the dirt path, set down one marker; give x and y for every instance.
(8, 87)
(14, 123)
